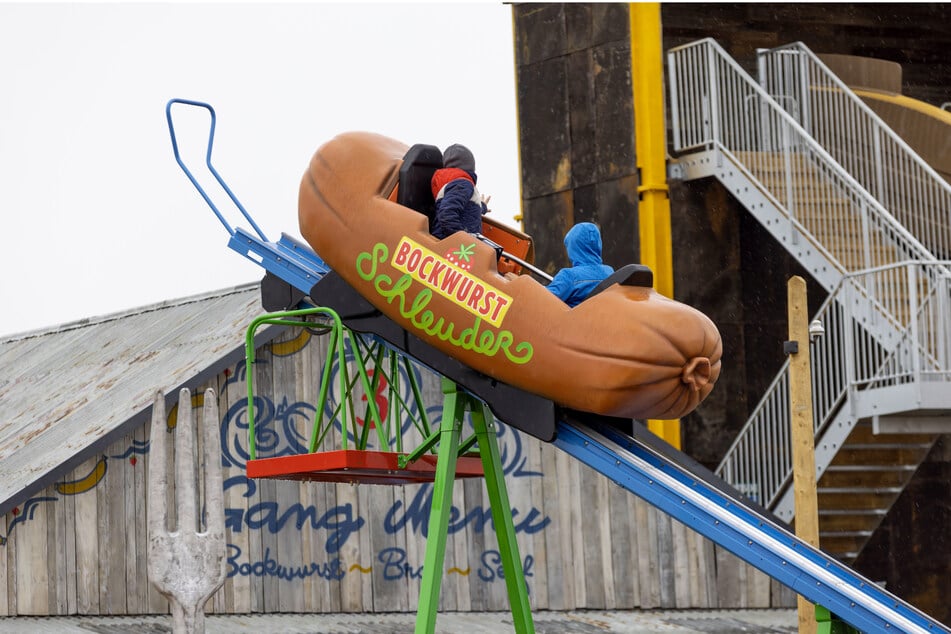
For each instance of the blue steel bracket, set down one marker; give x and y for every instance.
(294, 262)
(734, 525)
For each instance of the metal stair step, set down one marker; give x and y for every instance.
(868, 499)
(874, 455)
(866, 476)
(859, 490)
(829, 512)
(845, 533)
(852, 520)
(863, 433)
(844, 546)
(890, 443)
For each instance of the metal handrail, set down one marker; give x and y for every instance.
(873, 312)
(881, 161)
(211, 168)
(714, 102)
(847, 359)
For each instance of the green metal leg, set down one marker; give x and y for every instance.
(450, 430)
(484, 424)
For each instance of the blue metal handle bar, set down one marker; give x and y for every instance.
(211, 139)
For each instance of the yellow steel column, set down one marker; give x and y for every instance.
(650, 129)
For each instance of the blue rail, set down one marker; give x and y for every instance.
(733, 524)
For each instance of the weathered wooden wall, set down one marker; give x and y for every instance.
(80, 546)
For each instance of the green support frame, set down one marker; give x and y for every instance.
(386, 366)
(447, 441)
(455, 404)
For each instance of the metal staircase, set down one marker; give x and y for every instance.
(861, 142)
(883, 365)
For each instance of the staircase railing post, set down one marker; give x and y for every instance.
(805, 106)
(916, 342)
(714, 94)
(942, 320)
(788, 179)
(878, 161)
(762, 110)
(866, 236)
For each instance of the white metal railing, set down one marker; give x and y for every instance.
(715, 103)
(857, 138)
(847, 359)
(887, 318)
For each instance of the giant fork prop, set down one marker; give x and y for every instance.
(186, 565)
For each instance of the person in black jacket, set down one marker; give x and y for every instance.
(459, 206)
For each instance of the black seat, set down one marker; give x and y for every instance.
(416, 175)
(627, 275)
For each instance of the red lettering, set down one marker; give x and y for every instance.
(477, 292)
(486, 299)
(502, 302)
(435, 271)
(464, 289)
(400, 257)
(422, 266)
(449, 282)
(413, 260)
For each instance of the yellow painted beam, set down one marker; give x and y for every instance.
(650, 129)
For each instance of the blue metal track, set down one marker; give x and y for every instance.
(735, 525)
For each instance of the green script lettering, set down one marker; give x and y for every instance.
(485, 342)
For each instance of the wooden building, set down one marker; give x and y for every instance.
(74, 525)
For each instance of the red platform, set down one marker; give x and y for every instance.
(357, 467)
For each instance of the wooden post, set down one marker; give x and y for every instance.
(802, 432)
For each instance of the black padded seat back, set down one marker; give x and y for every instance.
(627, 275)
(416, 175)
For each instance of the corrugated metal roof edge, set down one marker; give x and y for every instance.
(214, 367)
(100, 319)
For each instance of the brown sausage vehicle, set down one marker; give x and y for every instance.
(627, 351)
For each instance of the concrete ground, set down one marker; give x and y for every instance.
(576, 622)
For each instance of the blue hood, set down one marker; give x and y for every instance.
(583, 244)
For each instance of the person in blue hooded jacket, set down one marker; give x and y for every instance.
(573, 284)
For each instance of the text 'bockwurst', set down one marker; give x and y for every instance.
(451, 282)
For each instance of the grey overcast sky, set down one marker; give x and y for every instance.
(97, 216)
